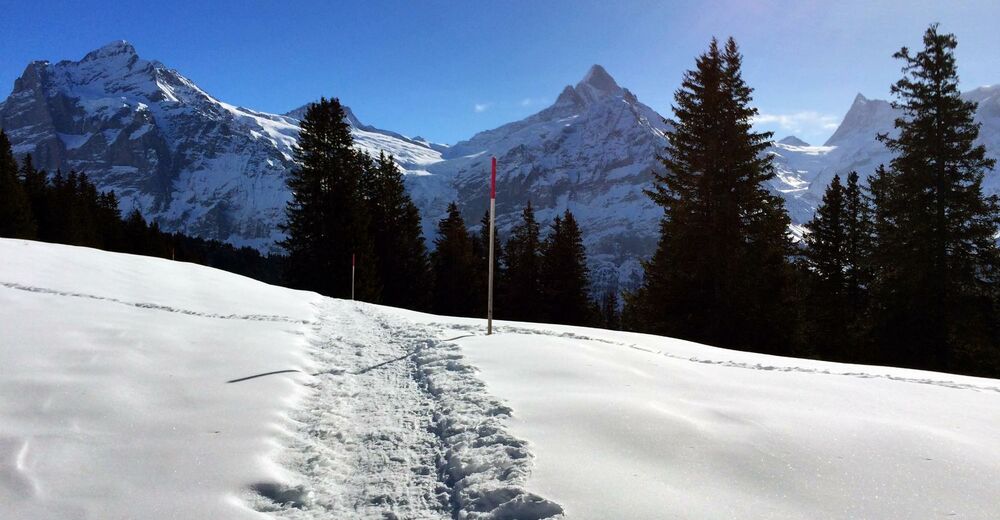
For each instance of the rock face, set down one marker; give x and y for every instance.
(198, 165)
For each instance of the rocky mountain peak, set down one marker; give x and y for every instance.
(597, 84)
(867, 116)
(599, 79)
(114, 49)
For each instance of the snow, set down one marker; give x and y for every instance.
(632, 426)
(114, 370)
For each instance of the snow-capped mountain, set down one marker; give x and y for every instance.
(592, 151)
(188, 161)
(208, 168)
(854, 147)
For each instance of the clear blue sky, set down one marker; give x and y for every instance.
(445, 70)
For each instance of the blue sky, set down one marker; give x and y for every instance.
(445, 70)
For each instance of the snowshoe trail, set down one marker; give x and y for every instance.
(396, 425)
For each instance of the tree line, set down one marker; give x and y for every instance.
(901, 270)
(348, 206)
(69, 209)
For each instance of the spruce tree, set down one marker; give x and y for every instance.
(481, 251)
(327, 219)
(523, 292)
(609, 315)
(455, 269)
(399, 246)
(837, 255)
(938, 293)
(564, 274)
(36, 187)
(16, 220)
(720, 272)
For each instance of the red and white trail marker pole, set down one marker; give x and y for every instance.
(493, 209)
(352, 276)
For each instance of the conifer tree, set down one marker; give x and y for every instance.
(454, 265)
(837, 254)
(720, 272)
(564, 274)
(327, 218)
(16, 220)
(938, 294)
(859, 237)
(399, 246)
(36, 188)
(481, 251)
(523, 292)
(610, 317)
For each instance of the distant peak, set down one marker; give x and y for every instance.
(115, 48)
(599, 79)
(793, 141)
(860, 99)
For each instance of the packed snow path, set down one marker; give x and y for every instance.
(398, 426)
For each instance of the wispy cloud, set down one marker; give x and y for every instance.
(804, 122)
(481, 107)
(527, 102)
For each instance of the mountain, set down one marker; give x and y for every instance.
(196, 164)
(592, 151)
(854, 147)
(185, 159)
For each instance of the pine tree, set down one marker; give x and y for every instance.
(837, 255)
(858, 240)
(327, 218)
(36, 188)
(720, 271)
(399, 246)
(481, 251)
(564, 274)
(610, 317)
(523, 292)
(454, 265)
(16, 220)
(938, 294)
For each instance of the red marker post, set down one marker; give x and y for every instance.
(493, 209)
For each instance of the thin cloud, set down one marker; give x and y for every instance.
(804, 122)
(527, 102)
(481, 107)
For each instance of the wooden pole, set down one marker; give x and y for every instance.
(493, 210)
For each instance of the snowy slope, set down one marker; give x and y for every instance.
(113, 370)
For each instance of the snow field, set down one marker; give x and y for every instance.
(114, 403)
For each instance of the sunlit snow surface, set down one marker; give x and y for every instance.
(113, 373)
